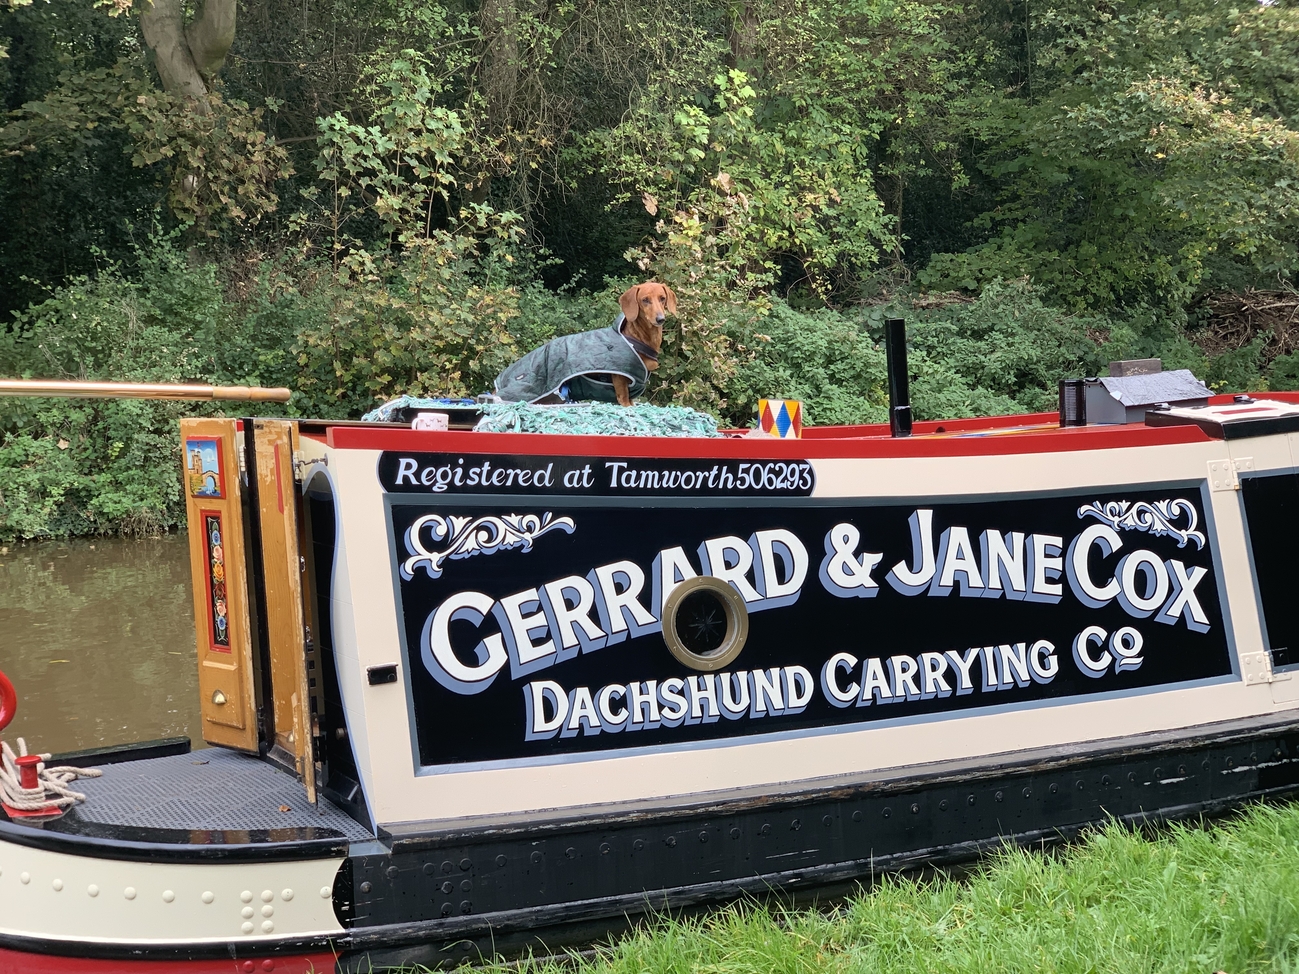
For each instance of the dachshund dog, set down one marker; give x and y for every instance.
(610, 364)
(644, 307)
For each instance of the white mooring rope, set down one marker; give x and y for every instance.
(52, 782)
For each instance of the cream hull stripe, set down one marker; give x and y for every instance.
(58, 896)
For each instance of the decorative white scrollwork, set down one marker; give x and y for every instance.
(463, 537)
(1152, 517)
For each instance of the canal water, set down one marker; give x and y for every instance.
(98, 640)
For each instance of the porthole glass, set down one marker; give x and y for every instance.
(705, 623)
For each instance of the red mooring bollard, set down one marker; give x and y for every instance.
(27, 775)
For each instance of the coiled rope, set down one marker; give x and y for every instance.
(51, 782)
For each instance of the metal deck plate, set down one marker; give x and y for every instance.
(209, 789)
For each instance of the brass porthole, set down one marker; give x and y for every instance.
(705, 623)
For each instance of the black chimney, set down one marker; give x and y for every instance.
(895, 352)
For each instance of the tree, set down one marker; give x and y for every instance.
(189, 57)
(1150, 159)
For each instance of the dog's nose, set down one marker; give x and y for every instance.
(658, 319)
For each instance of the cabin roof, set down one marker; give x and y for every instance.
(985, 435)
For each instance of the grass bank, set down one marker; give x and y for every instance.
(1221, 898)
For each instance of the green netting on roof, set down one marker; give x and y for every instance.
(596, 418)
(387, 413)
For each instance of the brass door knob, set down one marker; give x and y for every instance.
(218, 698)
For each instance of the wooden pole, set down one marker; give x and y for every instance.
(138, 390)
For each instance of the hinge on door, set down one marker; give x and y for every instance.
(1225, 474)
(1256, 668)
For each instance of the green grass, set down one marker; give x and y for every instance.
(1191, 899)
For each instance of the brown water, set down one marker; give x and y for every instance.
(98, 639)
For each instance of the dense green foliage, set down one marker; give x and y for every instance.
(1215, 899)
(381, 196)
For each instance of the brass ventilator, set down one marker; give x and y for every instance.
(705, 623)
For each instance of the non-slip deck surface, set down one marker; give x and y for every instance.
(208, 789)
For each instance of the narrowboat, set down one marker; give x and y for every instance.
(472, 691)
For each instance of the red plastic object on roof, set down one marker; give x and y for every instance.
(8, 701)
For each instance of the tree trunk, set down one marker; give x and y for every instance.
(189, 58)
(743, 35)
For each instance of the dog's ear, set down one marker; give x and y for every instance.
(672, 298)
(630, 303)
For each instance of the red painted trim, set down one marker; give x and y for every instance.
(21, 962)
(929, 427)
(279, 480)
(1053, 440)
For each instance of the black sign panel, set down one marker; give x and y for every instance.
(448, 474)
(532, 629)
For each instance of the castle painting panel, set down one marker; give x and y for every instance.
(203, 468)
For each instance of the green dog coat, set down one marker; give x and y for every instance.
(586, 363)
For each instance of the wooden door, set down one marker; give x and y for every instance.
(282, 574)
(218, 568)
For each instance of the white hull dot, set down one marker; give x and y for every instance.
(58, 885)
(168, 896)
(208, 897)
(246, 896)
(268, 911)
(26, 878)
(92, 889)
(286, 895)
(129, 893)
(247, 927)
(325, 891)
(267, 927)
(267, 896)
(247, 912)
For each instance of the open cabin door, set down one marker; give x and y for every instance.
(222, 621)
(291, 725)
(256, 691)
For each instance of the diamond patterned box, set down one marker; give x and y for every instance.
(782, 418)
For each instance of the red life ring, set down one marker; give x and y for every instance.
(8, 701)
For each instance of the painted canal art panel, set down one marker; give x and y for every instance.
(218, 603)
(549, 615)
(204, 473)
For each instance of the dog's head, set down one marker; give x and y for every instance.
(648, 304)
(645, 306)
